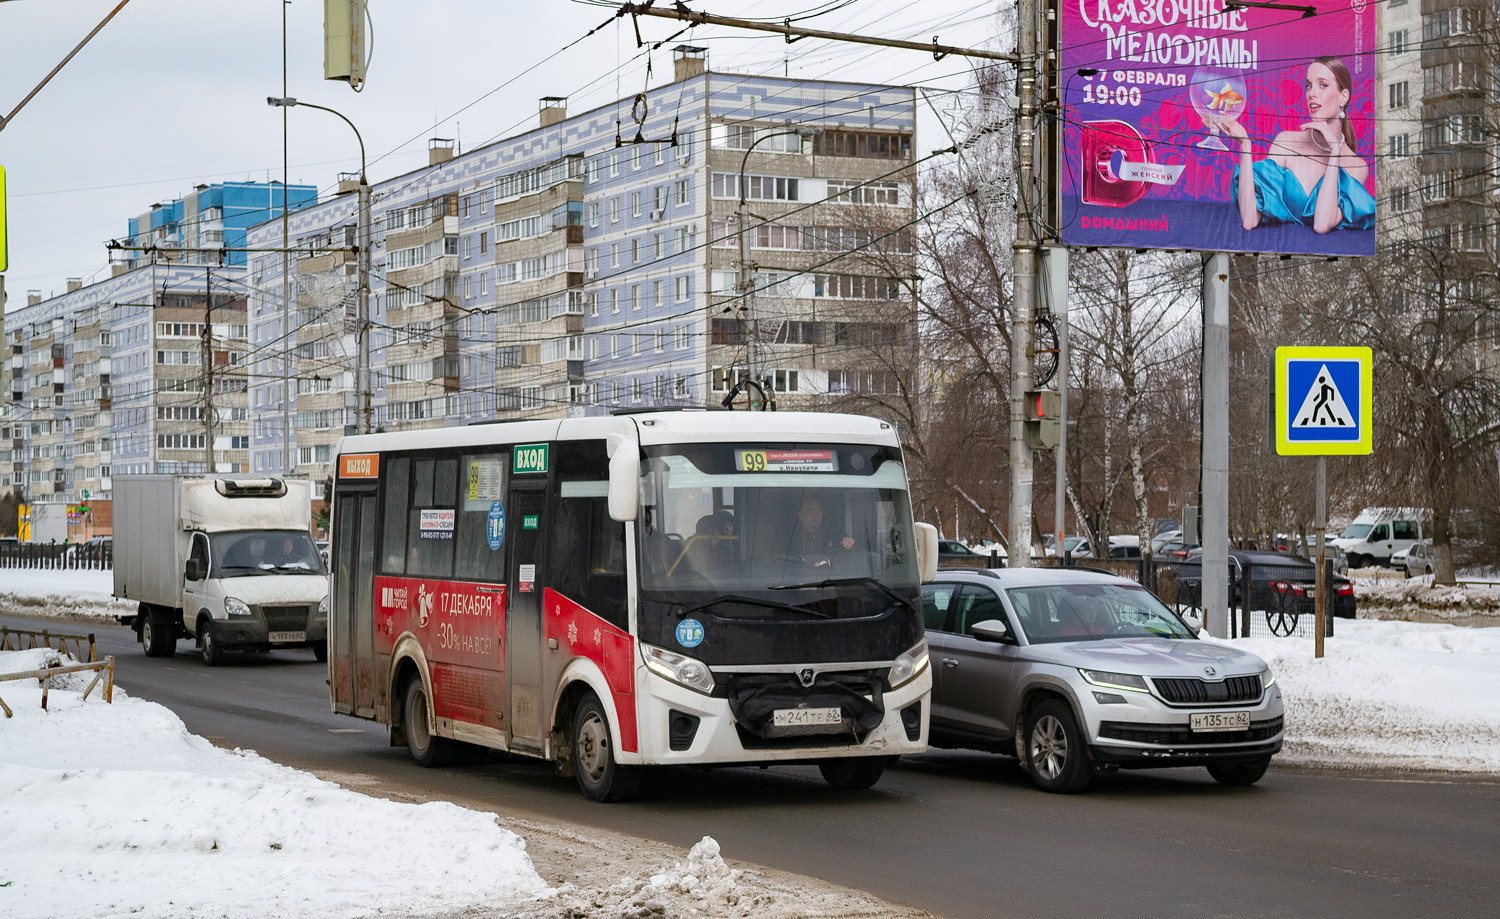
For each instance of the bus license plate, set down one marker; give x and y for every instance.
(1220, 721)
(800, 717)
(288, 636)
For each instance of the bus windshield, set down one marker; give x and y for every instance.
(734, 519)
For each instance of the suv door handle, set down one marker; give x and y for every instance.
(949, 662)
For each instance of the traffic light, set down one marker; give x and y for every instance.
(1043, 419)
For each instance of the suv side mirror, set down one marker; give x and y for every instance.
(990, 630)
(194, 570)
(926, 536)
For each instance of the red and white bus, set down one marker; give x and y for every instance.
(668, 587)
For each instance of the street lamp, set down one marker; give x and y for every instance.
(747, 282)
(362, 326)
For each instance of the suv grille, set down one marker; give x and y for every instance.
(1181, 735)
(286, 618)
(1193, 691)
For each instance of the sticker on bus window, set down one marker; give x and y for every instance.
(486, 480)
(785, 461)
(359, 465)
(494, 526)
(690, 633)
(525, 578)
(437, 523)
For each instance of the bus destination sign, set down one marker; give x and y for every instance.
(785, 461)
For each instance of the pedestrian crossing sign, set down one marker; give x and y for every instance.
(1323, 402)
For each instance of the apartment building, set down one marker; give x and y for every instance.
(1398, 121)
(209, 217)
(593, 264)
(111, 378)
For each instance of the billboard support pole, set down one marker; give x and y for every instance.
(1215, 444)
(1057, 280)
(1023, 286)
(1320, 526)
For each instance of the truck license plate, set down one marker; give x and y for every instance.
(799, 717)
(1220, 721)
(288, 636)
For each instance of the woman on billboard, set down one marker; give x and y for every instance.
(1311, 176)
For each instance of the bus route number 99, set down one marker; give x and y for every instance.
(750, 461)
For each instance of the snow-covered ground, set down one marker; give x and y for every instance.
(43, 592)
(1387, 595)
(1404, 695)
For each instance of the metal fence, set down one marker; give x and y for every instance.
(52, 555)
(1265, 601)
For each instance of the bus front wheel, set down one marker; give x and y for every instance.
(852, 771)
(600, 777)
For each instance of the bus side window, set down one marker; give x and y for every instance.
(482, 479)
(397, 497)
(429, 536)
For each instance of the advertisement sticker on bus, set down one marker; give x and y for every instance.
(690, 633)
(526, 578)
(437, 523)
(529, 458)
(486, 479)
(359, 465)
(494, 526)
(785, 461)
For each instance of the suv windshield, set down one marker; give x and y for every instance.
(1092, 612)
(721, 519)
(1355, 531)
(257, 552)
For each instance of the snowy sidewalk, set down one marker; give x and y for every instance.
(44, 592)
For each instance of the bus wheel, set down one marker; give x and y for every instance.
(852, 771)
(426, 749)
(600, 778)
(320, 651)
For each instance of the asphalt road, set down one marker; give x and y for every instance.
(959, 834)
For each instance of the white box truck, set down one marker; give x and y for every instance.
(225, 560)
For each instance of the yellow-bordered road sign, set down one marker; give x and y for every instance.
(1323, 402)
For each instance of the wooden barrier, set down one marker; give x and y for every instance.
(26, 639)
(104, 668)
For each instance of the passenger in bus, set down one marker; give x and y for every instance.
(712, 546)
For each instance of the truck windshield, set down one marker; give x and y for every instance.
(737, 519)
(1355, 531)
(248, 553)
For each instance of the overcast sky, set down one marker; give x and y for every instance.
(172, 93)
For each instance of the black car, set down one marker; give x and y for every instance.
(1272, 576)
(952, 548)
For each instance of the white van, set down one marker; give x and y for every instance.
(1380, 532)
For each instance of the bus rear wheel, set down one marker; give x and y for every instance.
(425, 747)
(599, 776)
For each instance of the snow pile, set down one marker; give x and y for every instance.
(1394, 598)
(109, 810)
(1402, 695)
(43, 592)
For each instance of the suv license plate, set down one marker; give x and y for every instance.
(1220, 721)
(302, 636)
(798, 717)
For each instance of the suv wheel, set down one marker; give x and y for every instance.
(1057, 758)
(1239, 774)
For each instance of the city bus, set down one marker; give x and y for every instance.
(613, 593)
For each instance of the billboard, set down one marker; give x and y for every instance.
(1189, 126)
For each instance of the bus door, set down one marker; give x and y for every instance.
(529, 703)
(351, 625)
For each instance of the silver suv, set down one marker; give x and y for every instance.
(1076, 672)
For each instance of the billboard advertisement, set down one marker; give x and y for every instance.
(1189, 126)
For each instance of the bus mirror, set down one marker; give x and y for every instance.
(624, 482)
(927, 550)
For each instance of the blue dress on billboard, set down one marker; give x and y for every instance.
(1279, 197)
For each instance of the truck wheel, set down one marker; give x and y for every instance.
(156, 634)
(852, 771)
(600, 778)
(1056, 758)
(212, 651)
(1239, 774)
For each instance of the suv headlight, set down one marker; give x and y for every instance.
(323, 607)
(1112, 680)
(1267, 678)
(908, 665)
(236, 607)
(679, 668)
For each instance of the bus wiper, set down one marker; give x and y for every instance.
(842, 582)
(768, 604)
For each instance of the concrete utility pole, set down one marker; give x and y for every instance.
(1215, 445)
(1057, 280)
(208, 370)
(1023, 286)
(362, 323)
(288, 340)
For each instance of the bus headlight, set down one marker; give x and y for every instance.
(235, 607)
(909, 665)
(679, 668)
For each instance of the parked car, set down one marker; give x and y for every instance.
(1380, 532)
(1076, 671)
(1266, 569)
(952, 548)
(1074, 547)
(1418, 559)
(1124, 547)
(1165, 538)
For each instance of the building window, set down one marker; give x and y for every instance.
(659, 247)
(635, 296)
(1396, 41)
(1397, 94)
(614, 255)
(468, 246)
(1401, 199)
(614, 301)
(683, 288)
(661, 340)
(614, 210)
(465, 205)
(1400, 145)
(614, 163)
(681, 187)
(635, 204)
(468, 287)
(656, 154)
(656, 295)
(684, 337)
(635, 157)
(592, 170)
(635, 251)
(593, 213)
(484, 243)
(484, 284)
